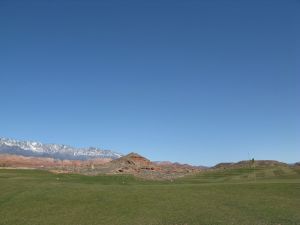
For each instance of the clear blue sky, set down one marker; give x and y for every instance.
(199, 82)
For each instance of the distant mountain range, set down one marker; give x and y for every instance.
(48, 154)
(55, 151)
(92, 161)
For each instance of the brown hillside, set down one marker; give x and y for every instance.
(249, 163)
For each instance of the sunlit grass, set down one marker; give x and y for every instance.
(238, 196)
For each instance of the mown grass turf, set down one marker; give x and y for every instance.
(224, 197)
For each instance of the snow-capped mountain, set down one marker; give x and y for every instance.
(57, 151)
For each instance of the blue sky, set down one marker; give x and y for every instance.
(199, 82)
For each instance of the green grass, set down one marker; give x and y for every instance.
(264, 196)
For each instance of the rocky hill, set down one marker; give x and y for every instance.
(138, 165)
